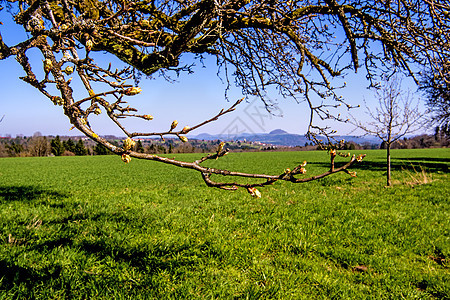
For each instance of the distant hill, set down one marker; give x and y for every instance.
(277, 131)
(280, 137)
(205, 136)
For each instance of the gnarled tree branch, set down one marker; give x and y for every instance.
(298, 47)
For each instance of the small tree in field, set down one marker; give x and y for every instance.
(395, 116)
(294, 47)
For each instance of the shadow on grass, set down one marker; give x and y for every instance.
(435, 159)
(148, 259)
(26, 193)
(12, 275)
(433, 163)
(397, 164)
(404, 164)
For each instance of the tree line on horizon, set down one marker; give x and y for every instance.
(38, 145)
(56, 146)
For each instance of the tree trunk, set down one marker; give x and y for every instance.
(388, 173)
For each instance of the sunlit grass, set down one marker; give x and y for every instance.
(96, 228)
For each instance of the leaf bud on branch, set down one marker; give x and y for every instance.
(68, 70)
(48, 65)
(132, 91)
(128, 144)
(219, 149)
(126, 158)
(173, 125)
(89, 45)
(183, 138)
(254, 192)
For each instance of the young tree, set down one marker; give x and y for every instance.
(57, 146)
(14, 149)
(69, 145)
(298, 47)
(139, 147)
(80, 149)
(39, 146)
(395, 116)
(99, 149)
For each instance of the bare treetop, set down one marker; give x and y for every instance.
(297, 47)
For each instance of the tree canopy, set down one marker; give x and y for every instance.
(436, 87)
(296, 47)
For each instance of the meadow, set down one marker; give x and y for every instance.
(96, 228)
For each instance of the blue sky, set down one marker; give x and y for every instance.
(190, 100)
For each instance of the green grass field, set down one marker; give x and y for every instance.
(96, 228)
